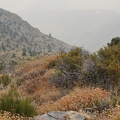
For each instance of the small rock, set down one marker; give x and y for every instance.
(75, 116)
(89, 110)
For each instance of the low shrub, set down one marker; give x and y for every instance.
(101, 105)
(68, 68)
(52, 64)
(12, 103)
(5, 80)
(19, 82)
(114, 101)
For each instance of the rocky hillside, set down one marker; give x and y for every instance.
(18, 35)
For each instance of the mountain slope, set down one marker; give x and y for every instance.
(87, 28)
(18, 35)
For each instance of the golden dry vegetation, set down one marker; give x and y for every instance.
(36, 85)
(47, 97)
(110, 114)
(75, 100)
(7, 116)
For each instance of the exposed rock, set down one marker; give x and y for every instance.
(89, 110)
(57, 115)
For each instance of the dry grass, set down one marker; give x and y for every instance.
(35, 68)
(42, 91)
(36, 75)
(77, 99)
(49, 98)
(7, 116)
(110, 114)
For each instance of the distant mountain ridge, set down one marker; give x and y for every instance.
(90, 29)
(18, 35)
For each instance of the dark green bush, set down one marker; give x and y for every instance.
(100, 69)
(101, 105)
(5, 80)
(2, 65)
(68, 68)
(11, 102)
(114, 100)
(51, 64)
(19, 82)
(17, 106)
(13, 55)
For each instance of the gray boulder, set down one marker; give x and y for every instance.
(57, 115)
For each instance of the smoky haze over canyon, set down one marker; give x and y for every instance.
(90, 29)
(89, 24)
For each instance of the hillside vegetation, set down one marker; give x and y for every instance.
(76, 81)
(56, 79)
(19, 41)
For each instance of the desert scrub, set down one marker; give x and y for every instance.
(14, 104)
(101, 105)
(77, 99)
(20, 81)
(52, 64)
(69, 66)
(4, 115)
(5, 80)
(115, 100)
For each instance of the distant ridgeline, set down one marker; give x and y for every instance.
(18, 39)
(18, 35)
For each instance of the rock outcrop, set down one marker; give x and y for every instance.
(57, 115)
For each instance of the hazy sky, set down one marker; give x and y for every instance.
(19, 6)
(30, 10)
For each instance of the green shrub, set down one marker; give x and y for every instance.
(5, 80)
(68, 68)
(13, 55)
(11, 102)
(114, 101)
(52, 64)
(2, 65)
(24, 53)
(101, 105)
(19, 82)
